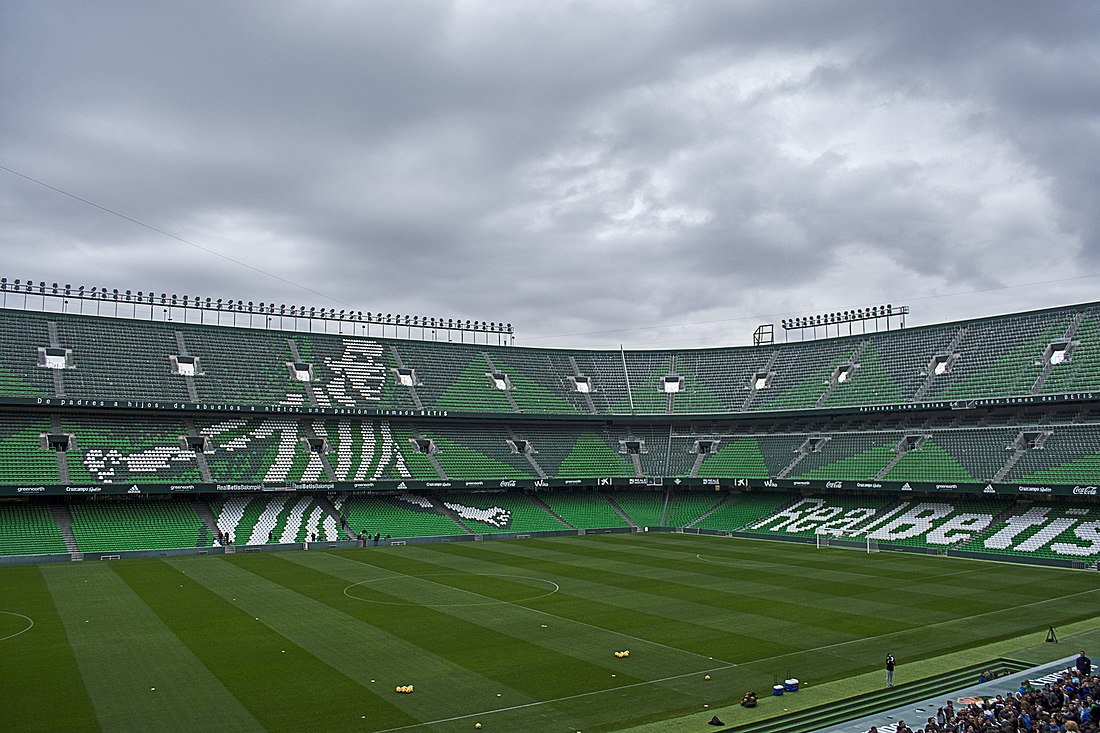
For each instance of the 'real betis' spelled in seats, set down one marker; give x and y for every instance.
(993, 526)
(44, 354)
(919, 523)
(1062, 532)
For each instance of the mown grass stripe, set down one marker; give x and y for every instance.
(240, 651)
(797, 589)
(511, 634)
(783, 595)
(629, 614)
(897, 626)
(43, 689)
(310, 609)
(519, 619)
(559, 687)
(705, 605)
(138, 674)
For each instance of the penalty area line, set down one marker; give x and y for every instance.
(557, 699)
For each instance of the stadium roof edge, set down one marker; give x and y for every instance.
(505, 348)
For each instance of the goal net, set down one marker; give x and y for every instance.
(844, 539)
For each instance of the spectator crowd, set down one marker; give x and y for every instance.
(1068, 702)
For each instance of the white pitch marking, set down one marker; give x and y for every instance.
(560, 699)
(30, 625)
(490, 600)
(562, 618)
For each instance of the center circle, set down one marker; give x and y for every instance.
(427, 591)
(6, 624)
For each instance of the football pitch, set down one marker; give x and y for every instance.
(515, 635)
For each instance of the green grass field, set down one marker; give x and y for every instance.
(517, 635)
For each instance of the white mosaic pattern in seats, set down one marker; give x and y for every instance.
(265, 525)
(416, 499)
(102, 464)
(495, 516)
(294, 520)
(343, 450)
(326, 530)
(331, 532)
(388, 452)
(357, 376)
(943, 524)
(231, 514)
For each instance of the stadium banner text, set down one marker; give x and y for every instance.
(607, 482)
(97, 403)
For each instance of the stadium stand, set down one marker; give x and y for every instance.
(91, 403)
(584, 509)
(28, 529)
(403, 515)
(484, 512)
(739, 511)
(1043, 530)
(109, 526)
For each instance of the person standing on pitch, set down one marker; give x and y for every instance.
(889, 670)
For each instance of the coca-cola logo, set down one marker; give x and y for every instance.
(1084, 491)
(834, 484)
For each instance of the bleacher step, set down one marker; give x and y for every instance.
(880, 700)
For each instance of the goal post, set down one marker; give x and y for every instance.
(844, 539)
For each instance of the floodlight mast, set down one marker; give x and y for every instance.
(878, 314)
(59, 298)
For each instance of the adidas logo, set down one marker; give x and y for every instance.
(989, 489)
(906, 487)
(402, 485)
(134, 490)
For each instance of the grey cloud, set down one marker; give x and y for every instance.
(570, 168)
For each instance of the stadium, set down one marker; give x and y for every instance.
(232, 514)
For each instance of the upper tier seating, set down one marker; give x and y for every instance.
(130, 359)
(122, 448)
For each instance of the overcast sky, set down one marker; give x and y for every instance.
(596, 173)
